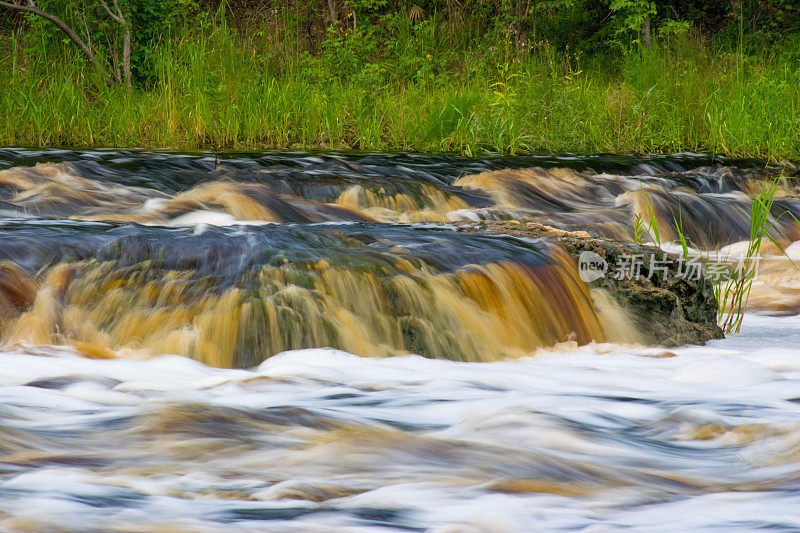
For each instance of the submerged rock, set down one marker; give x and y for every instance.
(666, 306)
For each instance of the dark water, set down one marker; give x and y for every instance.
(176, 171)
(599, 193)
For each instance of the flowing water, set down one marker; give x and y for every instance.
(305, 342)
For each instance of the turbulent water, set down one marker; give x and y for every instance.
(306, 342)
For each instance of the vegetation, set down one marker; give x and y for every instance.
(731, 285)
(733, 292)
(501, 75)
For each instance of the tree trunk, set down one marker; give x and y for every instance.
(646, 38)
(116, 14)
(31, 8)
(126, 56)
(332, 11)
(115, 60)
(521, 10)
(755, 12)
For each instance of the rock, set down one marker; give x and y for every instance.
(668, 309)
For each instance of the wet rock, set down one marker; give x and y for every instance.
(667, 308)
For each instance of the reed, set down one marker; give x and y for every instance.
(652, 221)
(732, 293)
(731, 286)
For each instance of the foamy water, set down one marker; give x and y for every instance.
(596, 438)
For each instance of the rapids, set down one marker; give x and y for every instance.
(572, 439)
(307, 342)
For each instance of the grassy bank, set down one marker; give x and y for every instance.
(212, 86)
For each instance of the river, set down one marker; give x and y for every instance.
(305, 342)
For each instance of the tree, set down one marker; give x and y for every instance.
(116, 14)
(31, 7)
(637, 17)
(118, 17)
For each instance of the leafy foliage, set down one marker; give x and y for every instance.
(454, 75)
(150, 21)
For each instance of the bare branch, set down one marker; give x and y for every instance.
(31, 8)
(116, 16)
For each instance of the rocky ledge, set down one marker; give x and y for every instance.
(667, 307)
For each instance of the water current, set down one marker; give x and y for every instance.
(307, 342)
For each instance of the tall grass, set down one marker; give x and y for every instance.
(731, 286)
(214, 87)
(733, 293)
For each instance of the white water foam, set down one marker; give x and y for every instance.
(588, 439)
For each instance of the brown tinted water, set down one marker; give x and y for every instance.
(315, 282)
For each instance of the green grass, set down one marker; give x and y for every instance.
(733, 293)
(731, 290)
(216, 88)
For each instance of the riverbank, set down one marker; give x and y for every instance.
(215, 88)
